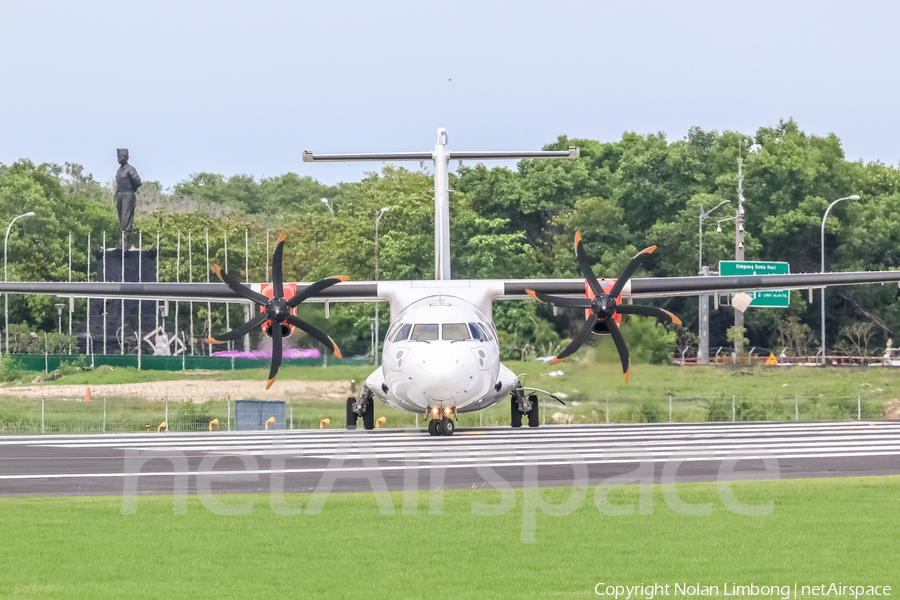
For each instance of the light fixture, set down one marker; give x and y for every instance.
(447, 410)
(719, 229)
(434, 410)
(742, 211)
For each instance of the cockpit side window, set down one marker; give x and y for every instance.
(487, 331)
(424, 332)
(402, 333)
(455, 331)
(477, 333)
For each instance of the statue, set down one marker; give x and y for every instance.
(127, 183)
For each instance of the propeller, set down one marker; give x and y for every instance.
(604, 306)
(277, 311)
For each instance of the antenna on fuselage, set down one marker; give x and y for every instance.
(441, 158)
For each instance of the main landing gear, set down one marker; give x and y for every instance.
(522, 406)
(442, 426)
(363, 408)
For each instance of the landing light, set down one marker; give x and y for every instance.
(434, 410)
(447, 411)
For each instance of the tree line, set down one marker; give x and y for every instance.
(520, 222)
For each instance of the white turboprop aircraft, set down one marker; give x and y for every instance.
(441, 355)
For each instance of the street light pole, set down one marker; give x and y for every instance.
(822, 302)
(325, 202)
(703, 217)
(6, 277)
(59, 308)
(378, 218)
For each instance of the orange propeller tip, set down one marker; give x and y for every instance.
(281, 237)
(337, 351)
(649, 250)
(270, 382)
(218, 270)
(626, 374)
(533, 295)
(212, 341)
(341, 277)
(556, 360)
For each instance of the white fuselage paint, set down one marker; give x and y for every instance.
(441, 350)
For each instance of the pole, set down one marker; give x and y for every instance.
(247, 280)
(208, 304)
(46, 355)
(227, 312)
(140, 339)
(733, 412)
(71, 300)
(191, 279)
(122, 343)
(822, 250)
(859, 408)
(105, 278)
(178, 280)
(6, 277)
(377, 338)
(156, 302)
(88, 301)
(267, 256)
(739, 232)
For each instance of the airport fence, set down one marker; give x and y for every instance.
(54, 414)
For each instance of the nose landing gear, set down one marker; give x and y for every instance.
(522, 406)
(442, 426)
(363, 408)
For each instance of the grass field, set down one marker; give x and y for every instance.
(820, 531)
(594, 392)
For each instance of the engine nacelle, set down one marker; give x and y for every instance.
(606, 284)
(268, 290)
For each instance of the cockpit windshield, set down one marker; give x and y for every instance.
(402, 333)
(424, 332)
(455, 332)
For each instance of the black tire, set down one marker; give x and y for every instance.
(515, 415)
(438, 427)
(534, 415)
(351, 416)
(432, 427)
(369, 415)
(447, 426)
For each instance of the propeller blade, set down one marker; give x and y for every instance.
(560, 301)
(238, 288)
(639, 259)
(312, 290)
(276, 354)
(620, 346)
(240, 330)
(578, 340)
(277, 281)
(316, 333)
(648, 311)
(584, 263)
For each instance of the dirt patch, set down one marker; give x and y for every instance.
(892, 409)
(196, 391)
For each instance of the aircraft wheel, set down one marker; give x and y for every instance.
(447, 426)
(534, 415)
(438, 427)
(432, 427)
(369, 415)
(515, 415)
(351, 416)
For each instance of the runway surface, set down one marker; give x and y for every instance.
(313, 460)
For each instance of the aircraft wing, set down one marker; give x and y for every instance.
(667, 287)
(349, 291)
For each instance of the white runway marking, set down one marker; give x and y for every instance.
(490, 447)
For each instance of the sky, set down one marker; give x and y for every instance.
(243, 88)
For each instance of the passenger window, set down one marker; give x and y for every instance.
(455, 332)
(477, 333)
(402, 333)
(422, 332)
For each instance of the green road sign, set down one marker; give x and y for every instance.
(772, 299)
